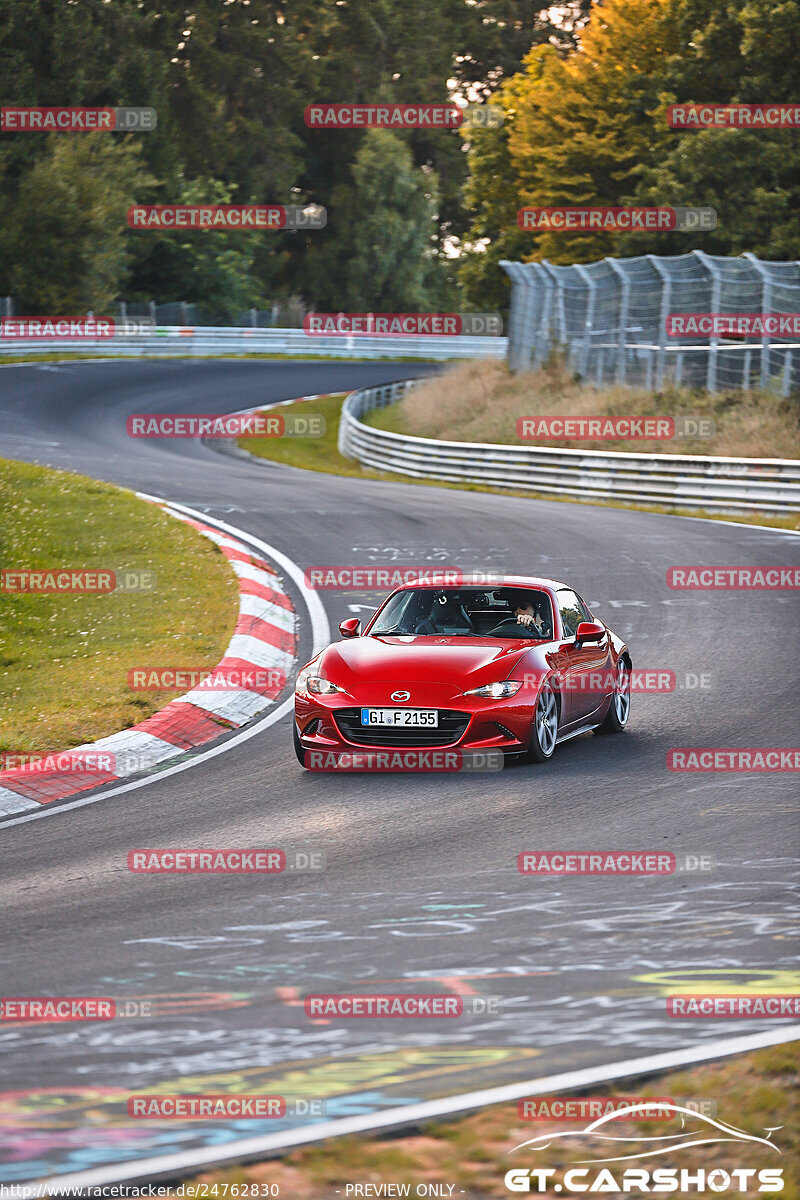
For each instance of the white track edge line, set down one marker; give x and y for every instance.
(169, 1165)
(321, 636)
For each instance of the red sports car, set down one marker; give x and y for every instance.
(517, 669)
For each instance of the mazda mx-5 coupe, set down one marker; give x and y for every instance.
(515, 669)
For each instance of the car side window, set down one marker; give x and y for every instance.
(572, 610)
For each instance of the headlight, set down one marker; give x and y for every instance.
(319, 686)
(497, 691)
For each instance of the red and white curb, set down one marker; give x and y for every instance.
(265, 639)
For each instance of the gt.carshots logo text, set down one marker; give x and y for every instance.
(399, 324)
(227, 216)
(57, 1008)
(15, 119)
(611, 1172)
(631, 220)
(224, 425)
(735, 578)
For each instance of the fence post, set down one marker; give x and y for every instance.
(716, 285)
(766, 306)
(583, 362)
(663, 313)
(623, 316)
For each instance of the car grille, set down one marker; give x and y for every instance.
(450, 728)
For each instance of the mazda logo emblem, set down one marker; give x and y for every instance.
(400, 697)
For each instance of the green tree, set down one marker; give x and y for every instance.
(381, 256)
(215, 267)
(66, 237)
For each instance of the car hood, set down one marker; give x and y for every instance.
(443, 660)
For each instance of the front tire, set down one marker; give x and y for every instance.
(619, 710)
(545, 726)
(298, 747)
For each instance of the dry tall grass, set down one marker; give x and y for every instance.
(481, 401)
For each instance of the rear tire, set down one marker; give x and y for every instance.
(619, 710)
(298, 748)
(545, 726)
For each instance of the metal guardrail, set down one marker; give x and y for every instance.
(175, 341)
(765, 485)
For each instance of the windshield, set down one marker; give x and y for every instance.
(522, 613)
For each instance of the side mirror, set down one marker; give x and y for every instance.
(349, 628)
(590, 631)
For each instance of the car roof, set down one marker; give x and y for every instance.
(479, 580)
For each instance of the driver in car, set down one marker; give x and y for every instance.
(529, 614)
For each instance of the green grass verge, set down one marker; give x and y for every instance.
(64, 658)
(751, 1091)
(322, 454)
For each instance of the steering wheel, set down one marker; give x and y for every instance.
(510, 624)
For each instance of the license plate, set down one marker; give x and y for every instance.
(409, 717)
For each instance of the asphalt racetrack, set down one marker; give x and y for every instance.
(420, 890)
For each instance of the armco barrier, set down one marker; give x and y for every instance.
(765, 485)
(175, 341)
